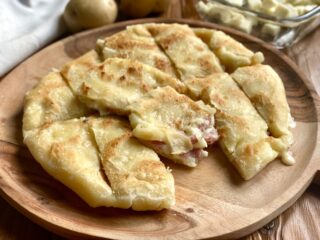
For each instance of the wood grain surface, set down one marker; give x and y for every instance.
(299, 222)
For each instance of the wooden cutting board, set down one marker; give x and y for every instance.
(212, 201)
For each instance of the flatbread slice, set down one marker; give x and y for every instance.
(49, 101)
(231, 53)
(265, 89)
(243, 133)
(136, 43)
(67, 151)
(191, 56)
(114, 84)
(173, 125)
(137, 176)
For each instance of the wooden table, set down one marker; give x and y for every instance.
(301, 221)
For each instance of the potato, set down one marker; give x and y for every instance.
(137, 8)
(84, 14)
(160, 6)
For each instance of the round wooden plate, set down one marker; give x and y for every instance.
(212, 201)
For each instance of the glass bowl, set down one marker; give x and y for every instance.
(280, 31)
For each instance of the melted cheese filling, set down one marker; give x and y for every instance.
(174, 124)
(287, 158)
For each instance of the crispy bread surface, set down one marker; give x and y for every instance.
(266, 91)
(231, 53)
(191, 56)
(243, 133)
(114, 84)
(49, 101)
(137, 176)
(100, 160)
(136, 43)
(67, 151)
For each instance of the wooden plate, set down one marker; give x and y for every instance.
(212, 200)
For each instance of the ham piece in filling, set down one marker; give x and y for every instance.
(201, 137)
(174, 125)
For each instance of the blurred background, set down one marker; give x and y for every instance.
(28, 25)
(291, 25)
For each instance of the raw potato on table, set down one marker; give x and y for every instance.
(141, 8)
(84, 14)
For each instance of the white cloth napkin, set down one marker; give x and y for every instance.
(26, 26)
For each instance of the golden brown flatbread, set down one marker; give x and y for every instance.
(149, 72)
(231, 53)
(137, 176)
(114, 84)
(68, 151)
(51, 100)
(266, 91)
(173, 125)
(191, 56)
(243, 133)
(136, 43)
